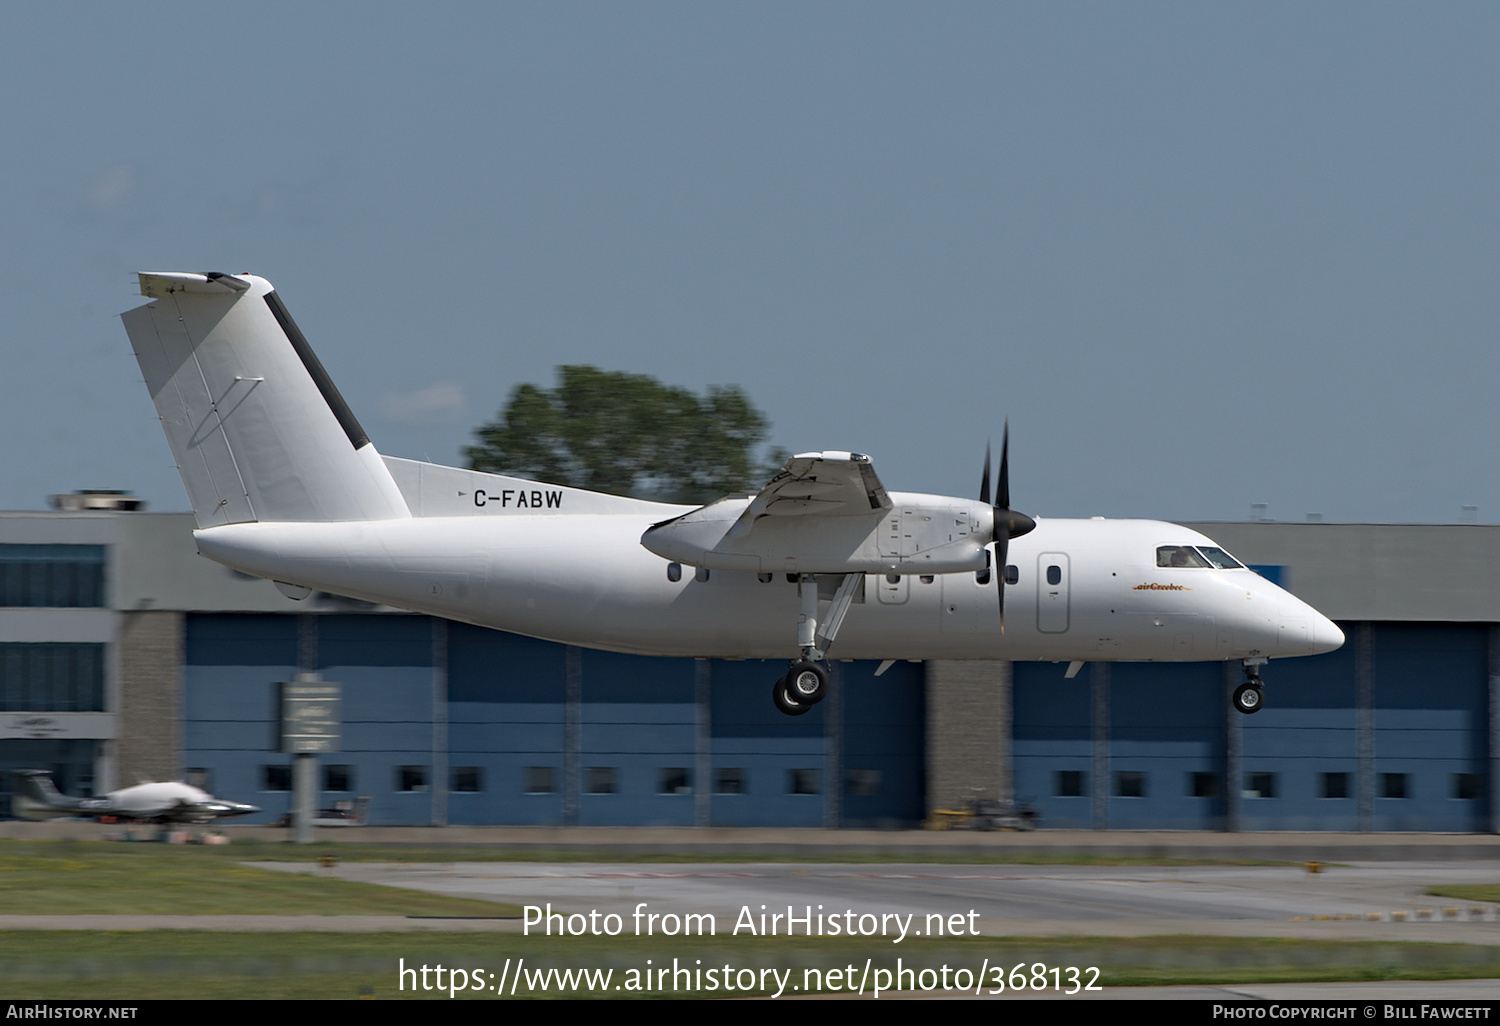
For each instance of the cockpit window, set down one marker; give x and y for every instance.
(1179, 556)
(1221, 559)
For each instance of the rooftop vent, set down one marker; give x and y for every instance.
(112, 499)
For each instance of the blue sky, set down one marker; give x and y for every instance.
(1202, 255)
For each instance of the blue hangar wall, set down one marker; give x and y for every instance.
(1391, 732)
(447, 723)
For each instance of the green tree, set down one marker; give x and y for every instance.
(628, 434)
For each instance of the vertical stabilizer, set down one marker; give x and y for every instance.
(258, 429)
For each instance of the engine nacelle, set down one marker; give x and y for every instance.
(927, 534)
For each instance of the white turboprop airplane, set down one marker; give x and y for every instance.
(286, 485)
(164, 801)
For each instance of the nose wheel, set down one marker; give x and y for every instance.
(1250, 696)
(804, 686)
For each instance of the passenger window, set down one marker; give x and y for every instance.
(674, 572)
(701, 574)
(1179, 556)
(982, 576)
(892, 578)
(1012, 574)
(928, 578)
(1054, 575)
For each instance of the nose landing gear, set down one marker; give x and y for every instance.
(1250, 696)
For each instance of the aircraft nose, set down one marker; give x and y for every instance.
(1326, 636)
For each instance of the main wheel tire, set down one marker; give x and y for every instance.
(785, 703)
(1248, 698)
(807, 682)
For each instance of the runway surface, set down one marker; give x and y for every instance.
(1383, 900)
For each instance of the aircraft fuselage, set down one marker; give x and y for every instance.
(586, 580)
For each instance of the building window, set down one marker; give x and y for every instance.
(1393, 785)
(51, 677)
(674, 780)
(1260, 785)
(601, 780)
(70, 576)
(862, 782)
(200, 777)
(1203, 785)
(467, 779)
(275, 778)
(338, 778)
(1068, 784)
(411, 778)
(803, 781)
(1130, 784)
(731, 781)
(1467, 785)
(1333, 785)
(541, 780)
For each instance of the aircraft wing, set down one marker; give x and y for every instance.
(818, 484)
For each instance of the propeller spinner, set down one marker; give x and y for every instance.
(1008, 523)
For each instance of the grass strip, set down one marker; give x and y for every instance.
(254, 850)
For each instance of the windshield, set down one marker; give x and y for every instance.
(1179, 556)
(1221, 559)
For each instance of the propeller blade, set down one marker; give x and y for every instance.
(984, 480)
(1001, 544)
(1002, 493)
(1007, 522)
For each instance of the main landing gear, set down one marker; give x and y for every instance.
(806, 680)
(1250, 696)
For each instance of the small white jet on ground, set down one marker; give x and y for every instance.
(286, 485)
(160, 802)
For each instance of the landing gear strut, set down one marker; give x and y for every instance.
(1250, 696)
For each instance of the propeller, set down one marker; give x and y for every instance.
(1008, 523)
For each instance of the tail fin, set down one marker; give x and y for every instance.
(37, 796)
(258, 429)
